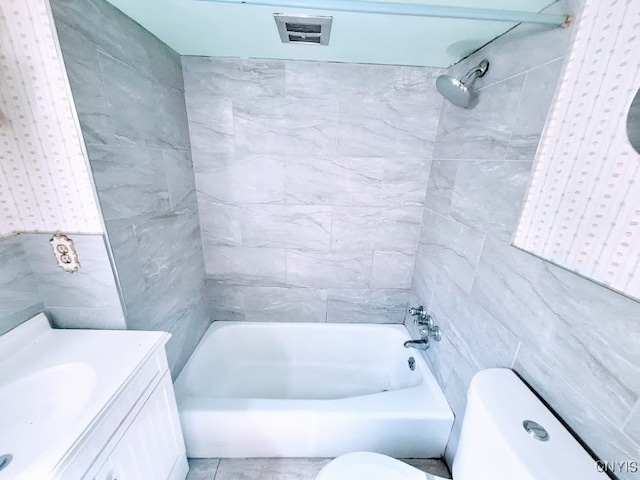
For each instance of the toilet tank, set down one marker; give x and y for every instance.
(495, 445)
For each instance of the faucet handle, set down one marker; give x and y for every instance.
(417, 312)
(425, 321)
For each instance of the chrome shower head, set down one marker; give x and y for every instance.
(460, 92)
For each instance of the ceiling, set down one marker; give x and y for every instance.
(196, 27)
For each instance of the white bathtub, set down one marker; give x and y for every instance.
(309, 390)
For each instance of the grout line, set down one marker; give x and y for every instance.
(215, 474)
(475, 270)
(513, 363)
(634, 410)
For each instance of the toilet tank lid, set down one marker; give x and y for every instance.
(508, 403)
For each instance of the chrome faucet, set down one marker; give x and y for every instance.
(422, 344)
(429, 330)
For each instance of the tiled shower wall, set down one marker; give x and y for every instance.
(128, 90)
(311, 179)
(575, 342)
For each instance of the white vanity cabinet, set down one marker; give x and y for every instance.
(138, 436)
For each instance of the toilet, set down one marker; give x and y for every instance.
(507, 434)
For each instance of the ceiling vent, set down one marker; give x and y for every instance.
(310, 29)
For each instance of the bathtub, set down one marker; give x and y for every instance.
(309, 390)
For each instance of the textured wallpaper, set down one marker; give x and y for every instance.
(44, 180)
(582, 211)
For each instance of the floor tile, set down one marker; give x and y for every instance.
(202, 468)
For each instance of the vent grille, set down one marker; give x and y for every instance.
(310, 29)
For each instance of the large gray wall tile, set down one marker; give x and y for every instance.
(286, 226)
(19, 294)
(452, 248)
(246, 266)
(488, 196)
(129, 92)
(385, 129)
(326, 161)
(366, 305)
(334, 181)
(387, 228)
(328, 270)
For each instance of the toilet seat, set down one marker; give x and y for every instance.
(371, 466)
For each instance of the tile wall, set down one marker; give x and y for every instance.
(311, 180)
(575, 342)
(128, 90)
(31, 282)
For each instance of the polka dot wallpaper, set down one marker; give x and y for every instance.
(582, 211)
(44, 178)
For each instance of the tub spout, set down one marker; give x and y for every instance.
(419, 344)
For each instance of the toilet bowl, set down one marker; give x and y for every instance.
(371, 466)
(507, 433)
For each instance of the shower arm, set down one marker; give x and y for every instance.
(478, 71)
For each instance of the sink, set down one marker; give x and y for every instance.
(44, 399)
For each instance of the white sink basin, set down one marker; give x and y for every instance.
(45, 398)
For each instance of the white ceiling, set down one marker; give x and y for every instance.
(196, 27)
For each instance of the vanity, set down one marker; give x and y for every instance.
(87, 404)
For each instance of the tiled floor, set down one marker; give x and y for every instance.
(280, 468)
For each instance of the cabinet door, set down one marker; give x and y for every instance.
(153, 444)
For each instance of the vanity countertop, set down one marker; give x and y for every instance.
(54, 384)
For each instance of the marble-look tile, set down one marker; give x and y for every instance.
(366, 305)
(346, 269)
(165, 63)
(233, 77)
(434, 466)
(186, 332)
(92, 286)
(592, 425)
(442, 179)
(220, 222)
(424, 279)
(484, 131)
(454, 439)
(391, 269)
(385, 228)
(226, 302)
(19, 293)
(488, 195)
(285, 126)
(632, 425)
(342, 81)
(245, 265)
(276, 304)
(405, 181)
(334, 181)
(202, 468)
(537, 94)
(131, 180)
(170, 128)
(240, 178)
(558, 316)
(210, 124)
(464, 367)
(471, 330)
(83, 71)
(454, 249)
(270, 468)
(124, 245)
(385, 129)
(96, 22)
(286, 226)
(104, 318)
(417, 85)
(140, 105)
(180, 180)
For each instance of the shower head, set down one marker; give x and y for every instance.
(460, 92)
